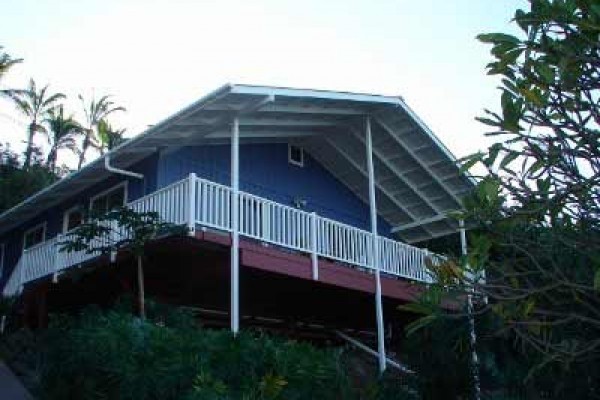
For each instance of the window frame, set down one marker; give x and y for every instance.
(124, 184)
(44, 226)
(292, 161)
(66, 217)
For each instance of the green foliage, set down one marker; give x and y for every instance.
(96, 110)
(62, 134)
(45, 113)
(534, 216)
(108, 354)
(538, 208)
(34, 104)
(548, 153)
(112, 355)
(439, 352)
(120, 228)
(7, 62)
(18, 183)
(391, 387)
(109, 137)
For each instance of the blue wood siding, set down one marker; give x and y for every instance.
(265, 171)
(53, 217)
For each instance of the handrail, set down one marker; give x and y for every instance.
(157, 192)
(372, 352)
(261, 219)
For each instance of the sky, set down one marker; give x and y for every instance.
(155, 57)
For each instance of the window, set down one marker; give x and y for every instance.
(296, 155)
(109, 200)
(34, 236)
(72, 219)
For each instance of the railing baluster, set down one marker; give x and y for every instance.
(223, 213)
(196, 200)
(313, 246)
(191, 204)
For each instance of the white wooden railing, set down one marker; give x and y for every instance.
(199, 202)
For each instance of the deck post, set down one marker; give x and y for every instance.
(375, 257)
(192, 204)
(472, 333)
(235, 239)
(313, 246)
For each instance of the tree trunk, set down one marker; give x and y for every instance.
(29, 149)
(51, 160)
(84, 147)
(141, 299)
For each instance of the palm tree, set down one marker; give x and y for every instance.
(6, 62)
(35, 105)
(62, 134)
(95, 111)
(109, 138)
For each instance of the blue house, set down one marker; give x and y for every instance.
(326, 194)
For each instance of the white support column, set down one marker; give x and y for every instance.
(375, 259)
(472, 333)
(192, 204)
(313, 246)
(235, 238)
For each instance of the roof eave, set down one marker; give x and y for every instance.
(129, 143)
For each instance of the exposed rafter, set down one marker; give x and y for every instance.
(431, 173)
(364, 172)
(395, 170)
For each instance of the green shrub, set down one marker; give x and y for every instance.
(110, 354)
(113, 355)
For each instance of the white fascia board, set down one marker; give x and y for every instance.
(419, 223)
(315, 94)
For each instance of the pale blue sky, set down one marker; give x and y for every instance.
(157, 56)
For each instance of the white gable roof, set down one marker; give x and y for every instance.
(417, 179)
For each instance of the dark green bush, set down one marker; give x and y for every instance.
(114, 355)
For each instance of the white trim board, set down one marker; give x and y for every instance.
(44, 225)
(124, 184)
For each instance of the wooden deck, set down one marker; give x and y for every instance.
(276, 286)
(201, 204)
(294, 264)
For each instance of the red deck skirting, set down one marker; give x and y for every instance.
(275, 259)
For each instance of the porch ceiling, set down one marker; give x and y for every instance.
(417, 179)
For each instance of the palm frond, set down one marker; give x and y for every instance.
(18, 98)
(50, 101)
(7, 62)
